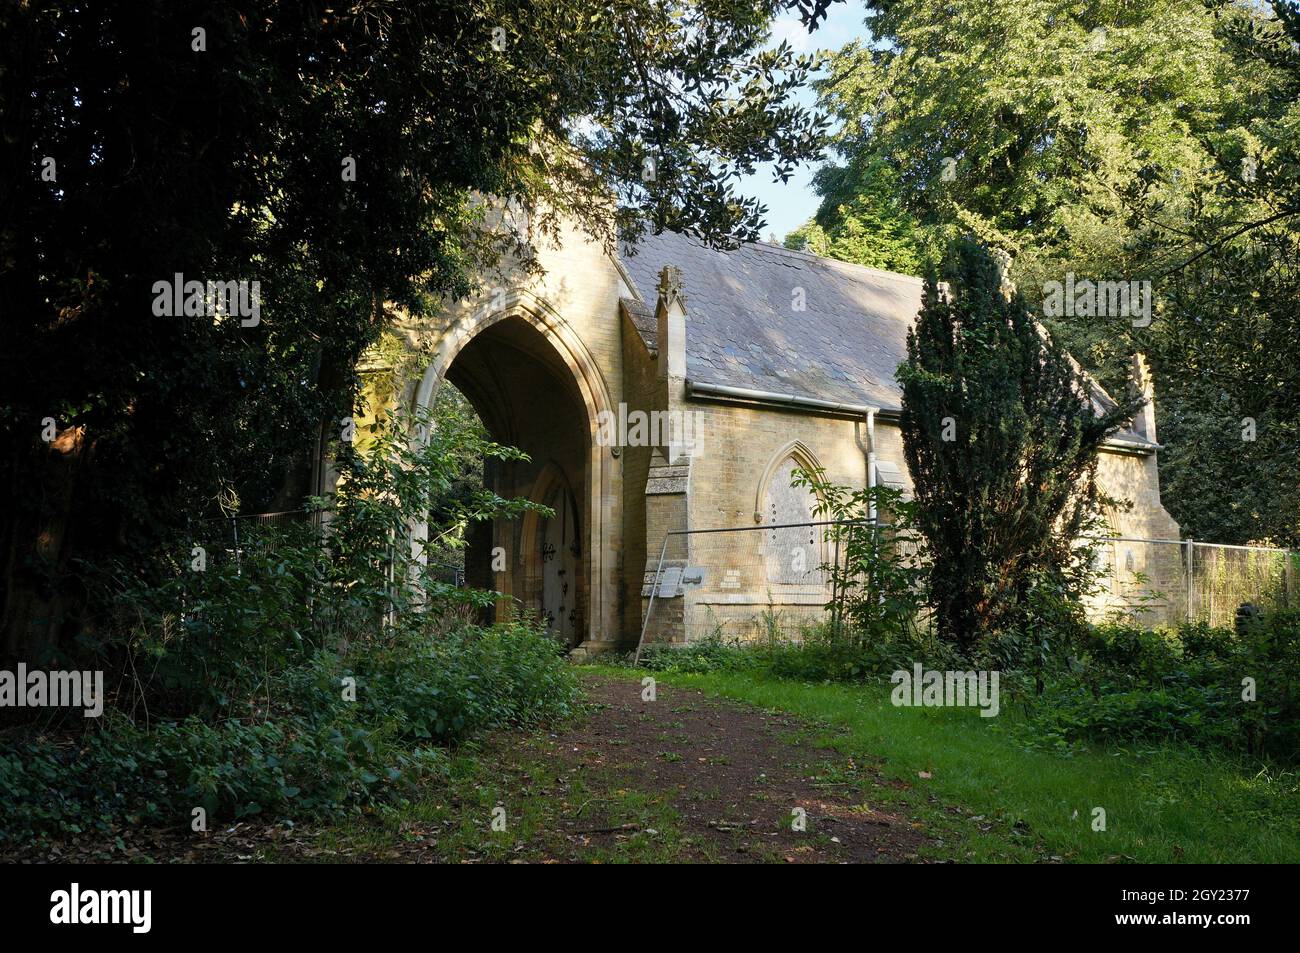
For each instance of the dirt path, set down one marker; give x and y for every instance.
(686, 777)
(730, 777)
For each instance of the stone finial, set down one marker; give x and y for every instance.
(670, 285)
(1144, 420)
(670, 318)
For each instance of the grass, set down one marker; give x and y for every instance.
(1169, 804)
(452, 820)
(970, 783)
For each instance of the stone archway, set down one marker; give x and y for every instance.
(535, 386)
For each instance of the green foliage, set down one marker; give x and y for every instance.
(826, 655)
(1231, 395)
(1116, 141)
(1001, 436)
(878, 574)
(206, 642)
(374, 559)
(702, 656)
(452, 409)
(228, 163)
(1043, 640)
(1061, 125)
(467, 680)
(821, 654)
(311, 753)
(1131, 684)
(316, 672)
(1109, 684)
(1078, 683)
(861, 219)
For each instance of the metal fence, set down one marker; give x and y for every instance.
(777, 581)
(234, 540)
(768, 581)
(229, 539)
(1169, 581)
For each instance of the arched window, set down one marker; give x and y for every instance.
(793, 551)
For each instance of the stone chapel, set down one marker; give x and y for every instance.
(779, 358)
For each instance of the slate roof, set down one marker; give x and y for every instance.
(643, 317)
(741, 330)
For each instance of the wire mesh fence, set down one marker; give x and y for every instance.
(780, 581)
(1170, 581)
(229, 539)
(769, 581)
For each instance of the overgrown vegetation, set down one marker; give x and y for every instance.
(1074, 683)
(1118, 685)
(1211, 688)
(878, 573)
(316, 672)
(1116, 142)
(310, 149)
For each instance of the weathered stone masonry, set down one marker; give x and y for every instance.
(778, 352)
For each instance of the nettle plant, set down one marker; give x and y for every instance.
(878, 571)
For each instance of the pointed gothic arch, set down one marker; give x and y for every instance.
(803, 456)
(598, 493)
(792, 556)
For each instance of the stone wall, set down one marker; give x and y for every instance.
(632, 496)
(743, 447)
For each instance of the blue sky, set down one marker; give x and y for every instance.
(791, 204)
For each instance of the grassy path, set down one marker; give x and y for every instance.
(735, 768)
(1165, 805)
(687, 776)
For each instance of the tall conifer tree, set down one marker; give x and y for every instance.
(1001, 432)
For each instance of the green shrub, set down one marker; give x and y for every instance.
(1188, 713)
(713, 654)
(461, 682)
(826, 655)
(318, 754)
(820, 655)
(232, 693)
(1130, 683)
